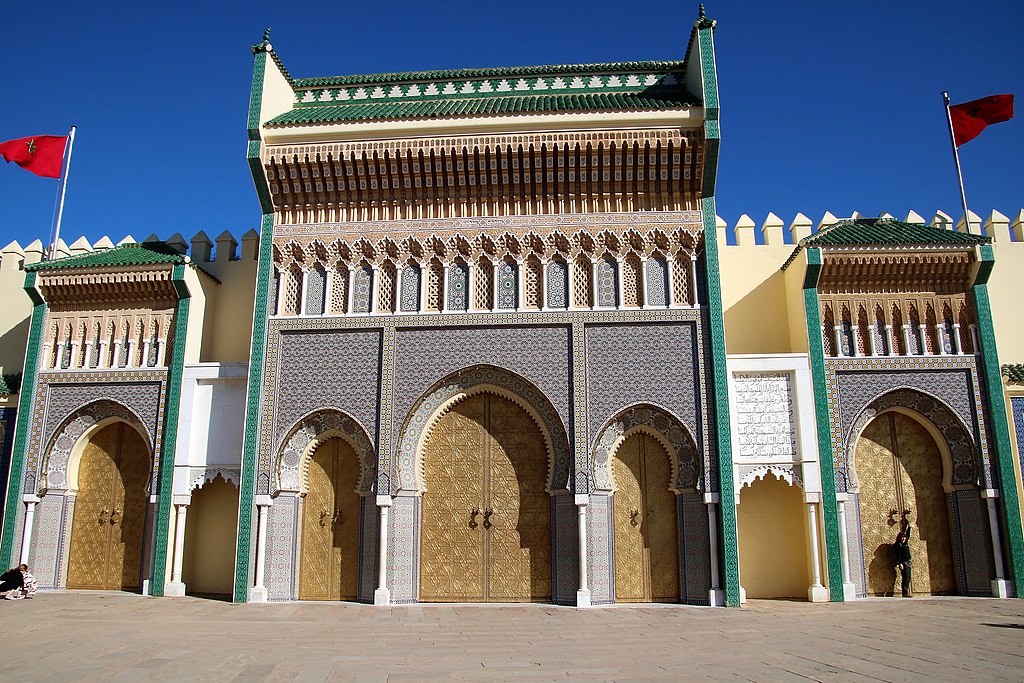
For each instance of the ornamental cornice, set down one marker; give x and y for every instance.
(92, 287)
(852, 271)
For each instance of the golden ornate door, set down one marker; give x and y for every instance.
(900, 474)
(486, 515)
(110, 511)
(646, 530)
(329, 559)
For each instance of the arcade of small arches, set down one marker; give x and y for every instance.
(107, 340)
(487, 273)
(909, 327)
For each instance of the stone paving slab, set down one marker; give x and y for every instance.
(110, 636)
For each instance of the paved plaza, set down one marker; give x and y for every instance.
(97, 636)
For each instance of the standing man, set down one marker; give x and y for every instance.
(901, 549)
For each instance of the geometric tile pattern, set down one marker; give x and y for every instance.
(694, 549)
(282, 545)
(657, 282)
(952, 381)
(654, 364)
(600, 549)
(972, 542)
(59, 396)
(293, 463)
(565, 568)
(410, 287)
(408, 471)
(458, 282)
(558, 285)
(667, 428)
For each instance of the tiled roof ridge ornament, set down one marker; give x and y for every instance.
(702, 19)
(264, 46)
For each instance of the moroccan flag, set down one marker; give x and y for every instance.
(970, 118)
(42, 154)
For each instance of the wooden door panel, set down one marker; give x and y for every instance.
(631, 567)
(316, 563)
(129, 526)
(91, 531)
(519, 539)
(660, 522)
(346, 528)
(452, 541)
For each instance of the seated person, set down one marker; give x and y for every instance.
(12, 581)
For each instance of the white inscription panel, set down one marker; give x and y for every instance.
(764, 416)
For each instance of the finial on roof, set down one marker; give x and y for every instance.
(702, 18)
(265, 45)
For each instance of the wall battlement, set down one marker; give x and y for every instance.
(773, 231)
(201, 249)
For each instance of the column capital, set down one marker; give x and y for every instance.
(812, 497)
(582, 499)
(263, 501)
(712, 498)
(181, 500)
(30, 498)
(989, 493)
(384, 501)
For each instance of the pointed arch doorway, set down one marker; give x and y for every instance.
(899, 471)
(110, 511)
(645, 520)
(329, 558)
(486, 516)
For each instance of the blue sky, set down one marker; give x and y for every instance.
(825, 106)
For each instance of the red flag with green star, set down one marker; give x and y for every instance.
(970, 118)
(42, 154)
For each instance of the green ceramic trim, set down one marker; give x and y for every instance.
(829, 504)
(175, 370)
(256, 94)
(716, 324)
(28, 390)
(243, 554)
(997, 415)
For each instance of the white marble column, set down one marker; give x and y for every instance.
(382, 596)
(854, 350)
(643, 284)
(74, 362)
(520, 285)
(424, 286)
(304, 292)
(58, 361)
(670, 295)
(817, 592)
(906, 339)
(839, 340)
(444, 286)
(494, 286)
(957, 346)
(1001, 588)
(849, 590)
(26, 534)
(583, 593)
(693, 280)
(887, 348)
(595, 287)
(176, 588)
(716, 596)
(258, 592)
(975, 340)
(620, 285)
(351, 290)
(374, 289)
(471, 302)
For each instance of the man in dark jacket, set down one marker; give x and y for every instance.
(12, 580)
(901, 549)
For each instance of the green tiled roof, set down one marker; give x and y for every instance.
(477, 105)
(126, 255)
(608, 86)
(884, 232)
(9, 384)
(1014, 373)
(887, 232)
(145, 254)
(493, 72)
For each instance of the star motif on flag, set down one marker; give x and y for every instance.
(31, 144)
(974, 112)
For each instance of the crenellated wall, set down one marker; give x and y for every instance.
(763, 308)
(227, 327)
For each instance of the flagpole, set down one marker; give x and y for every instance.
(956, 158)
(63, 189)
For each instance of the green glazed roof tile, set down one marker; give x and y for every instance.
(493, 72)
(124, 256)
(1014, 373)
(477, 106)
(887, 232)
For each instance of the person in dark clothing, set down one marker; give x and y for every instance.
(13, 579)
(901, 549)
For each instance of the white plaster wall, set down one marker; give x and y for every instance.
(209, 437)
(797, 366)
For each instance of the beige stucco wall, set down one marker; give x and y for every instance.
(208, 560)
(16, 309)
(772, 528)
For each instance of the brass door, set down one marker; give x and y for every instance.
(646, 530)
(486, 533)
(110, 511)
(329, 561)
(900, 473)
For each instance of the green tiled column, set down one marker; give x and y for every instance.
(175, 370)
(25, 398)
(816, 350)
(1000, 443)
